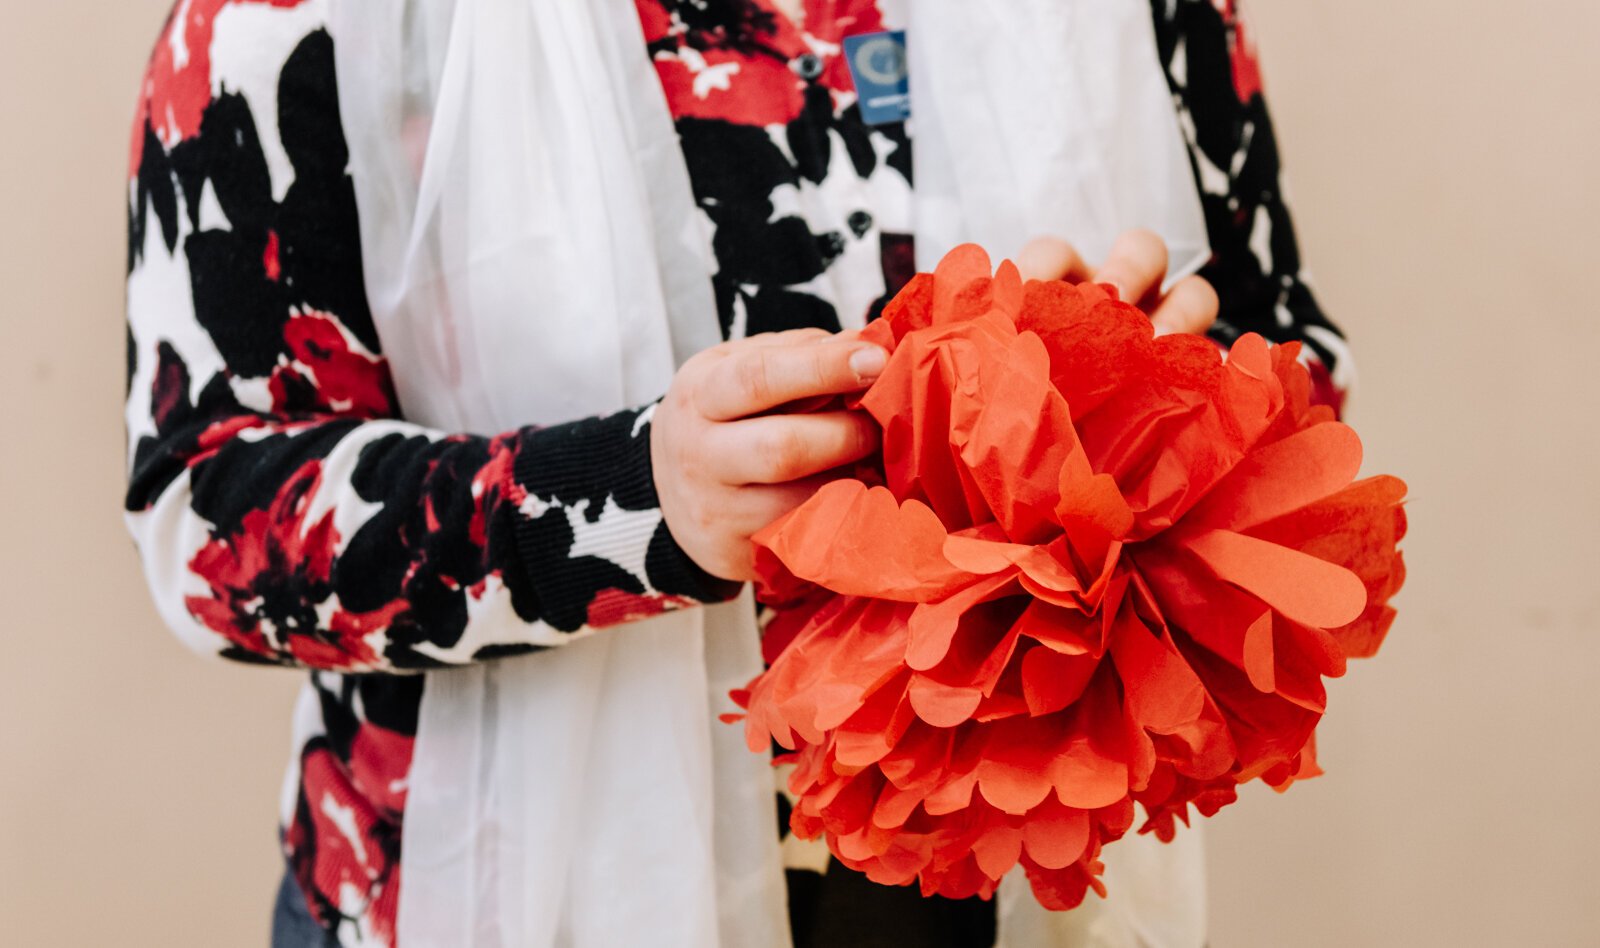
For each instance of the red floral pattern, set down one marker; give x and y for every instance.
(380, 761)
(177, 85)
(616, 606)
(324, 369)
(271, 586)
(747, 75)
(493, 485)
(1242, 49)
(352, 872)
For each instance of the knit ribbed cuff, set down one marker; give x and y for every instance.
(602, 467)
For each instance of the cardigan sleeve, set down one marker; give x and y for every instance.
(1209, 54)
(284, 510)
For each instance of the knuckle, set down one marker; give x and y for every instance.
(687, 394)
(683, 398)
(698, 365)
(783, 452)
(704, 520)
(826, 363)
(751, 376)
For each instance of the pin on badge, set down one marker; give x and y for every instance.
(883, 83)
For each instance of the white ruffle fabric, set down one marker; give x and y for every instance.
(533, 255)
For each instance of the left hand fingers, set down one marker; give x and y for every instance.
(1136, 266)
(1190, 306)
(1051, 258)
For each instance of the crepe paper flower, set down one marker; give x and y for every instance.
(1095, 568)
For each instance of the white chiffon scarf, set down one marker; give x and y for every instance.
(1046, 118)
(533, 255)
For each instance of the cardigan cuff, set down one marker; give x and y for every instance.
(599, 472)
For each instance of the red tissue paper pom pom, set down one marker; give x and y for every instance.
(1095, 568)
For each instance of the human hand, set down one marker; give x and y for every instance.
(1136, 266)
(725, 466)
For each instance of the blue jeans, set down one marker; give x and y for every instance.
(292, 924)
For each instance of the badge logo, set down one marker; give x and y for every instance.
(883, 84)
(881, 60)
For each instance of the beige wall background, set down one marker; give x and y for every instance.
(1444, 157)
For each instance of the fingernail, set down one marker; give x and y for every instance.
(867, 362)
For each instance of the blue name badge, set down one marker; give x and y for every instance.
(883, 84)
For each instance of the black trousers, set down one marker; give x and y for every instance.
(840, 909)
(843, 909)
